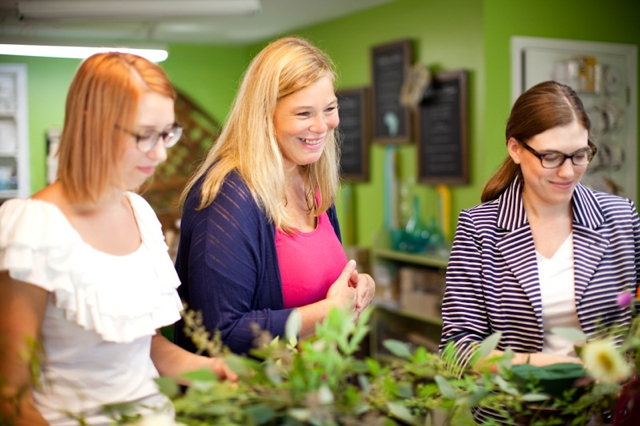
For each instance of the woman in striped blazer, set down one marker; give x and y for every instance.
(542, 250)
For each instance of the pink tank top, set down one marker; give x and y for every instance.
(309, 263)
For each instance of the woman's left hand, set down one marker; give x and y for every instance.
(365, 288)
(220, 368)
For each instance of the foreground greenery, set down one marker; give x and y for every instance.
(321, 381)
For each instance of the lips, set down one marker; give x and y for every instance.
(147, 170)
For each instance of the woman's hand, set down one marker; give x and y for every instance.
(365, 288)
(341, 293)
(220, 368)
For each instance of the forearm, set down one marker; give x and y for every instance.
(173, 361)
(19, 410)
(22, 306)
(312, 314)
(538, 359)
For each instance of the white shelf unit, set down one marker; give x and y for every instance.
(14, 139)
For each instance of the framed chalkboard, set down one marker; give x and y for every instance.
(390, 66)
(442, 127)
(355, 131)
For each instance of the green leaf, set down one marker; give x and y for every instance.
(401, 412)
(445, 387)
(167, 386)
(293, 327)
(202, 375)
(365, 385)
(397, 348)
(238, 365)
(325, 396)
(571, 334)
(477, 396)
(260, 413)
(535, 397)
(300, 414)
(489, 344)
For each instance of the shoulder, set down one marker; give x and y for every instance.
(33, 222)
(141, 206)
(608, 203)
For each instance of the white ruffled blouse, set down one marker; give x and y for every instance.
(102, 309)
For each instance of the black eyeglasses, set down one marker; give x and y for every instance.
(555, 159)
(148, 140)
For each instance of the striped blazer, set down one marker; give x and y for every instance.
(492, 274)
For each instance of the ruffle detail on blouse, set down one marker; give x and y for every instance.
(115, 296)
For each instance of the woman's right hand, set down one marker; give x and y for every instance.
(341, 294)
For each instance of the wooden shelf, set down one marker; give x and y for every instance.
(434, 260)
(397, 310)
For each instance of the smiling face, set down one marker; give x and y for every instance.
(155, 113)
(303, 120)
(550, 187)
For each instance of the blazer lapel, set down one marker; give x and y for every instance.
(517, 247)
(588, 245)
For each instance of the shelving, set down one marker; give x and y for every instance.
(413, 318)
(14, 142)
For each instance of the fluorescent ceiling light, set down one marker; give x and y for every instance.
(81, 52)
(134, 8)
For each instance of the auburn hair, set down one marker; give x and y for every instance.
(102, 99)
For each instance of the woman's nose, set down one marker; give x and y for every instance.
(158, 152)
(319, 124)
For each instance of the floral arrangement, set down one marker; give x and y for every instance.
(322, 381)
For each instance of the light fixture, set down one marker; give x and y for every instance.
(39, 9)
(81, 52)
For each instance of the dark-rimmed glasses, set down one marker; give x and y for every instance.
(148, 140)
(555, 159)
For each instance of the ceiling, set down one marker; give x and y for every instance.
(275, 17)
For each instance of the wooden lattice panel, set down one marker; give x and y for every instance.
(170, 178)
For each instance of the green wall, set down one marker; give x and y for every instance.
(447, 35)
(209, 75)
(47, 82)
(592, 20)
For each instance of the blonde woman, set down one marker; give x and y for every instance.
(84, 269)
(259, 233)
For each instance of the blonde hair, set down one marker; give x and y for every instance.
(542, 107)
(103, 96)
(247, 143)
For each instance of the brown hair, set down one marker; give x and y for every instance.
(542, 107)
(103, 95)
(248, 141)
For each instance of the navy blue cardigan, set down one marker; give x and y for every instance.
(228, 266)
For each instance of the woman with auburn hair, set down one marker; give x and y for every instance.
(259, 234)
(542, 251)
(85, 273)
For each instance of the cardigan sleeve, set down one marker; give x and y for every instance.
(464, 312)
(228, 267)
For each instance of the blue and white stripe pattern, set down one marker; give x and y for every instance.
(492, 274)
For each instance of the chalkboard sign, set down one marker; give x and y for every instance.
(442, 127)
(355, 131)
(390, 65)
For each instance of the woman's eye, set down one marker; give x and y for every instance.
(145, 136)
(580, 155)
(552, 157)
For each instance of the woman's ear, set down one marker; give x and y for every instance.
(514, 149)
